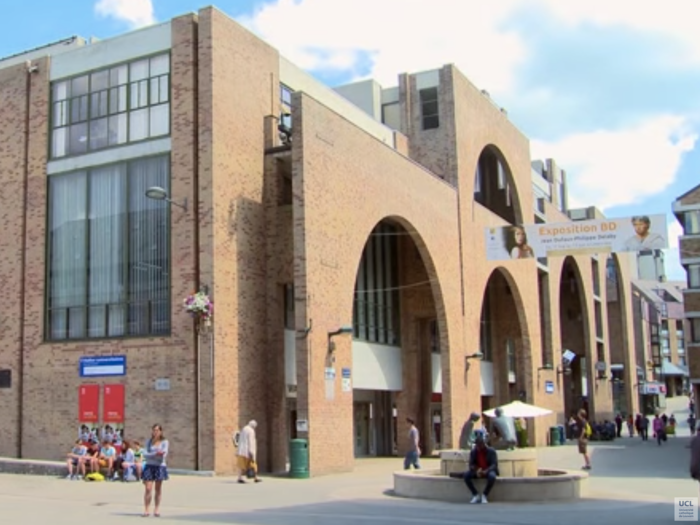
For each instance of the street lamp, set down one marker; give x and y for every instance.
(157, 193)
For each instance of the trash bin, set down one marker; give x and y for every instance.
(554, 437)
(299, 459)
(562, 435)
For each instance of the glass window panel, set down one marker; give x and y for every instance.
(79, 109)
(138, 124)
(79, 86)
(108, 206)
(99, 104)
(99, 133)
(60, 91)
(139, 95)
(160, 65)
(692, 222)
(60, 114)
(159, 90)
(58, 142)
(99, 81)
(160, 120)
(164, 89)
(78, 139)
(138, 70)
(430, 108)
(67, 255)
(117, 100)
(149, 261)
(117, 132)
(693, 276)
(118, 75)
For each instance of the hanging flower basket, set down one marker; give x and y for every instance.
(199, 307)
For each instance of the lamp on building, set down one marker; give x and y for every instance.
(159, 194)
(546, 366)
(346, 329)
(467, 358)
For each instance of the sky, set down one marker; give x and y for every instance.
(612, 94)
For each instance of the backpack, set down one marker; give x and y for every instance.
(589, 430)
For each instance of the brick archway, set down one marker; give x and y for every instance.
(505, 342)
(494, 185)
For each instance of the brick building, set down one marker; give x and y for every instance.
(302, 210)
(687, 211)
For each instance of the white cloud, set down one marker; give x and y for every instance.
(397, 35)
(611, 168)
(136, 13)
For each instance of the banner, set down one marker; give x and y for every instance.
(630, 234)
(88, 413)
(113, 414)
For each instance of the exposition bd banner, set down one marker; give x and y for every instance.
(628, 234)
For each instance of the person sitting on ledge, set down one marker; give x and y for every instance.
(503, 436)
(483, 463)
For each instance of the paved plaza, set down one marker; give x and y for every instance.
(631, 481)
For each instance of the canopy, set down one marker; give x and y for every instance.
(519, 409)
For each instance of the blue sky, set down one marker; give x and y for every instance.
(613, 95)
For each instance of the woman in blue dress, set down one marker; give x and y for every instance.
(155, 471)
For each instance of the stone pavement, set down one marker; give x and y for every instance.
(630, 480)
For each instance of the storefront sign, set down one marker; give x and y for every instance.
(628, 234)
(653, 389)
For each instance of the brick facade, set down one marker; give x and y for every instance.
(245, 241)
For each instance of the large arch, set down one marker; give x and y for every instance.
(624, 362)
(575, 337)
(495, 187)
(504, 342)
(399, 324)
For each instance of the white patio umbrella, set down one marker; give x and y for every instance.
(518, 409)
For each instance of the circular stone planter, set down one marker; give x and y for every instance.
(548, 485)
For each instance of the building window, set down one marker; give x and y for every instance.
(485, 335)
(286, 106)
(511, 361)
(595, 274)
(693, 276)
(429, 108)
(695, 329)
(691, 221)
(681, 361)
(110, 107)
(108, 259)
(376, 305)
(434, 337)
(289, 310)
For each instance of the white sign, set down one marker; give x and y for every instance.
(568, 357)
(330, 383)
(347, 384)
(302, 425)
(162, 384)
(629, 234)
(685, 509)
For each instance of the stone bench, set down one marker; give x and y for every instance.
(38, 467)
(517, 463)
(549, 485)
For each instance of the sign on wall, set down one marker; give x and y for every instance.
(103, 366)
(113, 412)
(89, 403)
(629, 234)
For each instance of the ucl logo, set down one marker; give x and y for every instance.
(686, 509)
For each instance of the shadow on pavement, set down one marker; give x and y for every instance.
(435, 513)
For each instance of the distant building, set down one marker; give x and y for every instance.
(687, 210)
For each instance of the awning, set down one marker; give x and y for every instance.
(616, 367)
(669, 369)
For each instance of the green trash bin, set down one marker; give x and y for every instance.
(554, 437)
(299, 459)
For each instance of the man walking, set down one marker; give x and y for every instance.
(413, 453)
(483, 463)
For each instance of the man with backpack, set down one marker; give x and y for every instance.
(585, 433)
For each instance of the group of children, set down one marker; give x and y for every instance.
(117, 458)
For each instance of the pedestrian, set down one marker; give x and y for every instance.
(155, 472)
(618, 424)
(413, 453)
(691, 423)
(247, 453)
(659, 429)
(630, 425)
(585, 432)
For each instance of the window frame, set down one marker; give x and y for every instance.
(693, 269)
(694, 329)
(48, 267)
(686, 223)
(423, 102)
(127, 104)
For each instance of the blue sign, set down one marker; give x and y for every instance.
(113, 365)
(549, 387)
(346, 373)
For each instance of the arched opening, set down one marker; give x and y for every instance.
(494, 187)
(574, 338)
(503, 343)
(396, 343)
